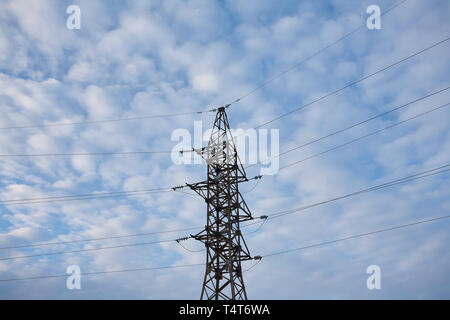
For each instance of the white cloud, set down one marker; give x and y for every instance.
(205, 82)
(143, 59)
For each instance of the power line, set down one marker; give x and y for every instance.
(77, 197)
(363, 137)
(116, 153)
(275, 215)
(416, 176)
(89, 196)
(104, 272)
(270, 217)
(252, 188)
(190, 250)
(259, 257)
(107, 120)
(85, 250)
(420, 175)
(254, 265)
(157, 190)
(99, 195)
(346, 86)
(352, 83)
(356, 236)
(30, 126)
(98, 239)
(299, 63)
(423, 174)
(359, 138)
(353, 125)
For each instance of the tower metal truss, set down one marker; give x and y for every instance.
(226, 210)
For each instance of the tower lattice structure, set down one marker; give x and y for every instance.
(226, 210)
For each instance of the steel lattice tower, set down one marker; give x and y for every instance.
(226, 209)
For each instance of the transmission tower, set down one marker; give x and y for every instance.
(226, 209)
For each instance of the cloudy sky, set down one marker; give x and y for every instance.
(140, 58)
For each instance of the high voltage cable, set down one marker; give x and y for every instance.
(357, 236)
(254, 265)
(295, 249)
(363, 137)
(118, 153)
(190, 250)
(355, 125)
(146, 191)
(77, 198)
(169, 152)
(352, 83)
(88, 196)
(99, 238)
(420, 175)
(265, 256)
(354, 140)
(345, 87)
(105, 272)
(299, 63)
(352, 126)
(203, 111)
(85, 250)
(258, 126)
(107, 120)
(351, 141)
(211, 110)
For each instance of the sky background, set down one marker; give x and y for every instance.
(155, 57)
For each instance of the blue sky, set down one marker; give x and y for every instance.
(156, 57)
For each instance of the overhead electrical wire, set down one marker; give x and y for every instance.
(98, 195)
(190, 250)
(104, 272)
(379, 115)
(420, 175)
(259, 257)
(353, 83)
(254, 265)
(252, 188)
(292, 67)
(346, 86)
(87, 194)
(85, 250)
(21, 201)
(106, 120)
(41, 244)
(355, 236)
(205, 111)
(348, 142)
(416, 176)
(273, 216)
(169, 152)
(363, 137)
(299, 63)
(68, 154)
(258, 126)
(262, 222)
(214, 109)
(77, 197)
